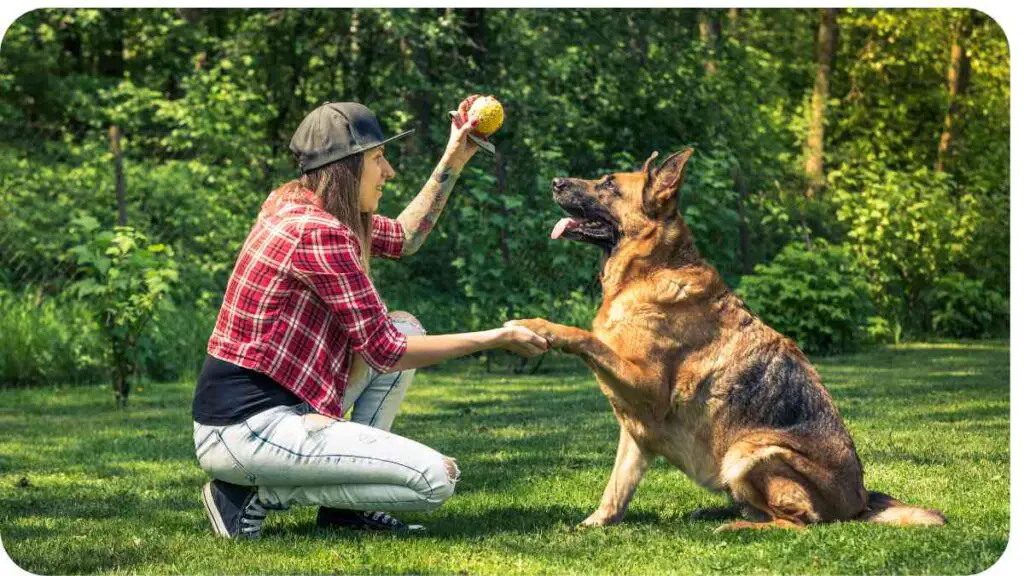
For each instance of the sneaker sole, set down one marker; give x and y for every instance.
(410, 528)
(212, 513)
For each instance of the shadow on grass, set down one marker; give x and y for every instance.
(542, 427)
(87, 558)
(495, 521)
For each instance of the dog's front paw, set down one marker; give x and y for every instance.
(553, 333)
(599, 519)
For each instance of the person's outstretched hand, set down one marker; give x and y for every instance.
(460, 148)
(522, 341)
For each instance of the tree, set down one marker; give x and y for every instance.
(957, 79)
(710, 29)
(814, 168)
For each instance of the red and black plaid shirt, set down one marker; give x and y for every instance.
(299, 302)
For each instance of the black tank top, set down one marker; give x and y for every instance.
(228, 394)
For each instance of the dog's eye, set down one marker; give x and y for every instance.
(608, 183)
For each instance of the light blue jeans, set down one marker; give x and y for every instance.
(297, 456)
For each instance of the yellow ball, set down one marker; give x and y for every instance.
(489, 112)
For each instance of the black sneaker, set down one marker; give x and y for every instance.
(356, 520)
(233, 510)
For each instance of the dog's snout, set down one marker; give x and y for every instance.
(559, 184)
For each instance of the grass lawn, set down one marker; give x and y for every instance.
(86, 488)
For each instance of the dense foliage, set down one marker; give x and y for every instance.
(917, 173)
(817, 297)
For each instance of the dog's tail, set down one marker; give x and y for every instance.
(884, 509)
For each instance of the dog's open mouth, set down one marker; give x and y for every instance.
(579, 229)
(589, 226)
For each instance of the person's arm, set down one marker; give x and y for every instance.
(429, 350)
(420, 216)
(327, 261)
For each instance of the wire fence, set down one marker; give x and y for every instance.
(51, 174)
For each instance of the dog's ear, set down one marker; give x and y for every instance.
(649, 164)
(662, 183)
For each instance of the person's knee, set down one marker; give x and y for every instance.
(407, 323)
(442, 478)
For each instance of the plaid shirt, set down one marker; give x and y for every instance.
(299, 302)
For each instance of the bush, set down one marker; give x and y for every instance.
(124, 279)
(905, 228)
(174, 345)
(966, 308)
(816, 297)
(46, 341)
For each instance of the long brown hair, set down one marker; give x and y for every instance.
(337, 186)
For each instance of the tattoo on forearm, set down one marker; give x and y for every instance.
(420, 216)
(442, 174)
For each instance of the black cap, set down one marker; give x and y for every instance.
(334, 131)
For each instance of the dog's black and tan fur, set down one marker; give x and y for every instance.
(694, 376)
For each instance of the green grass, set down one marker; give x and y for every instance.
(111, 491)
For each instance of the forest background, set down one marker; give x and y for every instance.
(850, 180)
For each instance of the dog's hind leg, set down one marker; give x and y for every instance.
(776, 498)
(759, 474)
(630, 464)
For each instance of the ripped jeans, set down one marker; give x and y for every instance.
(296, 456)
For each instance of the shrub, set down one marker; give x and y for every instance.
(816, 297)
(905, 228)
(124, 279)
(47, 341)
(966, 308)
(174, 346)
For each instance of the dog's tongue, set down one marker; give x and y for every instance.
(559, 228)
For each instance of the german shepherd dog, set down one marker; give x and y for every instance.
(694, 376)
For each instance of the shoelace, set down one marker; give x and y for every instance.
(382, 517)
(252, 518)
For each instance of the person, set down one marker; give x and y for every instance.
(302, 336)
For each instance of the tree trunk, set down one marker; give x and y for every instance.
(71, 59)
(957, 78)
(284, 98)
(353, 52)
(111, 57)
(710, 29)
(638, 42)
(734, 22)
(115, 149)
(814, 169)
(121, 372)
(420, 97)
(368, 50)
(475, 29)
(739, 182)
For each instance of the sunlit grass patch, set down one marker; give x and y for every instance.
(87, 488)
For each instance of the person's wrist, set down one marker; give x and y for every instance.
(500, 336)
(451, 161)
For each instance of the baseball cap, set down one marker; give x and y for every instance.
(336, 130)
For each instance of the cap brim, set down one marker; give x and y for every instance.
(396, 137)
(330, 159)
